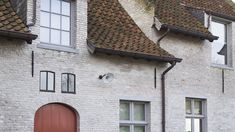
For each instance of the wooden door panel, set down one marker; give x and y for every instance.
(55, 118)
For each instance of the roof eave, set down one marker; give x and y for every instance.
(28, 37)
(93, 49)
(211, 38)
(221, 15)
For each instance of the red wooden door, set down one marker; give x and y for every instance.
(55, 118)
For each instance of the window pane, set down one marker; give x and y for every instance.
(45, 5)
(139, 112)
(188, 125)
(44, 35)
(55, 21)
(218, 29)
(55, 36)
(71, 83)
(55, 6)
(197, 107)
(124, 111)
(139, 129)
(45, 19)
(188, 107)
(65, 40)
(219, 47)
(64, 82)
(65, 8)
(50, 81)
(219, 53)
(197, 125)
(65, 23)
(124, 128)
(43, 81)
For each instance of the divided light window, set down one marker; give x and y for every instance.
(219, 47)
(133, 116)
(68, 81)
(55, 22)
(195, 120)
(47, 81)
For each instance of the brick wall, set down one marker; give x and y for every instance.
(98, 103)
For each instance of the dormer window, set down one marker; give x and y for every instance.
(219, 47)
(55, 22)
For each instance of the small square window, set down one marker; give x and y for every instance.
(47, 81)
(68, 83)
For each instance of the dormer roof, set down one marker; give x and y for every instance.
(11, 25)
(111, 30)
(187, 16)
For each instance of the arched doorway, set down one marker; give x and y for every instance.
(55, 118)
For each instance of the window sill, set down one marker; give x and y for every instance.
(68, 92)
(58, 48)
(225, 67)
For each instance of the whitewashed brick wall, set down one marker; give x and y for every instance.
(98, 103)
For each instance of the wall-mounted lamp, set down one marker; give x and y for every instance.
(107, 78)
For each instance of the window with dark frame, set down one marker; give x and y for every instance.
(47, 81)
(68, 83)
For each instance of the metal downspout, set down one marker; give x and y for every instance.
(163, 36)
(163, 95)
(173, 63)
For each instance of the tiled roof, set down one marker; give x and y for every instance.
(217, 7)
(11, 24)
(111, 30)
(183, 15)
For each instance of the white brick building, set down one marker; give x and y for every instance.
(32, 99)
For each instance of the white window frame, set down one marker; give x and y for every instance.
(193, 116)
(132, 122)
(72, 35)
(60, 30)
(229, 41)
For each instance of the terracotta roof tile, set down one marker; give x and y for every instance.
(111, 28)
(11, 24)
(217, 7)
(178, 15)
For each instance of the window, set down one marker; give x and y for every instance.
(195, 115)
(133, 116)
(219, 47)
(47, 81)
(68, 83)
(55, 24)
